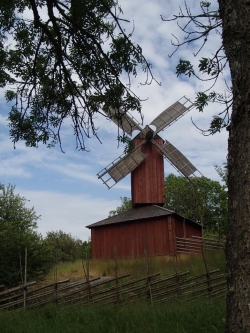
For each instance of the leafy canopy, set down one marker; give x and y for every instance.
(65, 60)
(18, 231)
(65, 247)
(126, 205)
(205, 201)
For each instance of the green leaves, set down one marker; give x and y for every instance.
(218, 122)
(184, 67)
(209, 66)
(205, 4)
(17, 232)
(129, 143)
(126, 205)
(9, 95)
(205, 201)
(66, 65)
(202, 99)
(65, 247)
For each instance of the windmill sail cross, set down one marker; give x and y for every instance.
(126, 164)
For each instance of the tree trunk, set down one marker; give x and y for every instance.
(235, 15)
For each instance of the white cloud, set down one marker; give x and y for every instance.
(3, 120)
(70, 213)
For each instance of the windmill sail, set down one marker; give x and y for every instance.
(121, 168)
(171, 114)
(177, 159)
(124, 120)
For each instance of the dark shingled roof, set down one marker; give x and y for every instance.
(136, 214)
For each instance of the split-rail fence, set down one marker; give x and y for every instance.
(123, 289)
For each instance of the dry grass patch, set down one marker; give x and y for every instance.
(165, 265)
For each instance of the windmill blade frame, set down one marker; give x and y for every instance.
(121, 167)
(172, 114)
(177, 159)
(125, 121)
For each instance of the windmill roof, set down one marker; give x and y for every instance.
(136, 214)
(141, 135)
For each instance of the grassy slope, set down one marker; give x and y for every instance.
(138, 267)
(196, 316)
(200, 315)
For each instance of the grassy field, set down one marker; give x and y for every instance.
(176, 317)
(138, 267)
(199, 315)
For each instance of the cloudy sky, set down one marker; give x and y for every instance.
(63, 187)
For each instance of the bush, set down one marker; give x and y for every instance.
(66, 247)
(18, 231)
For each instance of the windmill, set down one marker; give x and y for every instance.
(146, 161)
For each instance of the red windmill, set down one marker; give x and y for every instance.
(145, 162)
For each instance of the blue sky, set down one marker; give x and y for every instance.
(63, 187)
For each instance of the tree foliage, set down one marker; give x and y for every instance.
(222, 172)
(126, 205)
(65, 60)
(199, 28)
(65, 247)
(18, 231)
(205, 201)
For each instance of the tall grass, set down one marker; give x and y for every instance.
(175, 317)
(139, 267)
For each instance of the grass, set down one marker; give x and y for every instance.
(138, 267)
(175, 317)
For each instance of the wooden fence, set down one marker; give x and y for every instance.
(195, 244)
(104, 290)
(122, 289)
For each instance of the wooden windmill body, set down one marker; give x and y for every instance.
(147, 179)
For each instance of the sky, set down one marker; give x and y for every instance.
(63, 187)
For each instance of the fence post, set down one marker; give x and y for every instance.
(207, 272)
(55, 292)
(55, 276)
(148, 278)
(87, 279)
(116, 276)
(177, 277)
(25, 280)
